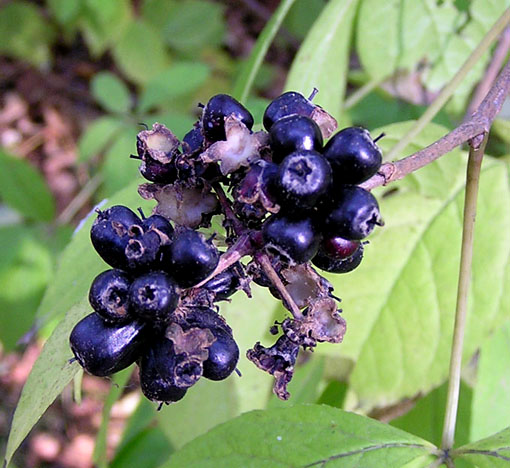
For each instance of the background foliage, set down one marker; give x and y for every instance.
(154, 60)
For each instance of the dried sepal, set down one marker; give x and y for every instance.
(241, 147)
(278, 360)
(159, 144)
(326, 122)
(253, 189)
(187, 206)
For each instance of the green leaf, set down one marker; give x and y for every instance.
(193, 25)
(25, 34)
(119, 169)
(65, 12)
(399, 304)
(97, 136)
(110, 92)
(179, 79)
(426, 418)
(323, 58)
(48, 377)
(25, 271)
(244, 81)
(301, 436)
(24, 189)
(302, 16)
(491, 408)
(140, 53)
(149, 448)
(492, 452)
(70, 285)
(119, 380)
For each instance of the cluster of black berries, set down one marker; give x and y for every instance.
(140, 313)
(285, 200)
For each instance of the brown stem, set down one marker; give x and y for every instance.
(227, 210)
(473, 129)
(263, 260)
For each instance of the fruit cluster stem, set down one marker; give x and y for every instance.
(472, 183)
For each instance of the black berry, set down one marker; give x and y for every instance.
(108, 296)
(102, 348)
(338, 265)
(216, 110)
(294, 133)
(226, 283)
(296, 240)
(303, 177)
(159, 224)
(223, 356)
(191, 258)
(353, 155)
(338, 247)
(353, 215)
(154, 297)
(287, 104)
(193, 141)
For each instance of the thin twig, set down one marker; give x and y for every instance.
(472, 183)
(478, 124)
(79, 200)
(497, 61)
(263, 260)
(450, 88)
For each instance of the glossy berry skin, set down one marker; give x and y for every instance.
(156, 171)
(216, 110)
(108, 296)
(193, 141)
(296, 240)
(157, 366)
(294, 133)
(153, 297)
(353, 155)
(303, 177)
(353, 215)
(338, 247)
(102, 348)
(288, 103)
(191, 258)
(338, 265)
(111, 233)
(224, 284)
(223, 356)
(159, 224)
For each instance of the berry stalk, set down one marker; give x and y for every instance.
(472, 183)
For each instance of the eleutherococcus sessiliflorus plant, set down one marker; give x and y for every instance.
(292, 203)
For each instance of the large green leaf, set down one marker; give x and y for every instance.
(492, 452)
(399, 304)
(323, 59)
(301, 436)
(50, 374)
(250, 69)
(79, 263)
(97, 136)
(24, 189)
(491, 406)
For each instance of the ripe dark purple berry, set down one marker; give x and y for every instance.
(338, 247)
(303, 177)
(288, 103)
(193, 141)
(223, 356)
(142, 252)
(155, 171)
(190, 258)
(159, 224)
(108, 296)
(226, 283)
(157, 367)
(217, 110)
(102, 348)
(353, 215)
(111, 233)
(294, 133)
(153, 297)
(353, 155)
(338, 265)
(295, 240)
